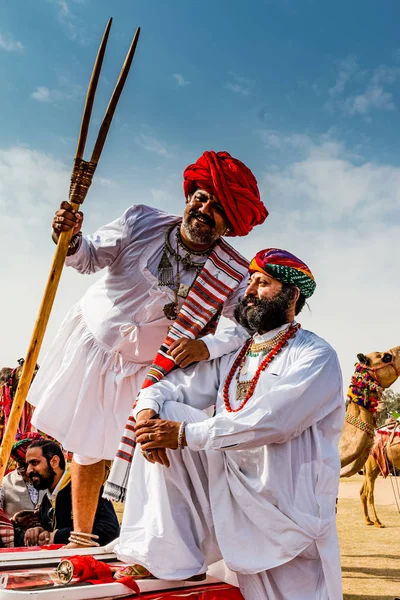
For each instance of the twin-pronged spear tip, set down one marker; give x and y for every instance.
(83, 171)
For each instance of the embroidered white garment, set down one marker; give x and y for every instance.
(256, 487)
(94, 369)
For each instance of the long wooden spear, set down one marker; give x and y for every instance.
(81, 179)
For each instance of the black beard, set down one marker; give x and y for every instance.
(195, 232)
(45, 481)
(264, 315)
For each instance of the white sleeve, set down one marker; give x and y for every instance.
(100, 250)
(225, 341)
(196, 386)
(309, 390)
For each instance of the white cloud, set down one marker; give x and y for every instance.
(180, 80)
(239, 85)
(366, 89)
(65, 91)
(32, 185)
(374, 98)
(331, 183)
(18, 167)
(347, 68)
(44, 94)
(8, 43)
(236, 88)
(69, 20)
(152, 144)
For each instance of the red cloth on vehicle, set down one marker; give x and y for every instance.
(235, 186)
(220, 591)
(90, 570)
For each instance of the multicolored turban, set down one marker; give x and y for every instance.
(18, 450)
(285, 267)
(235, 186)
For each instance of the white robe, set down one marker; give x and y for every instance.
(257, 487)
(93, 371)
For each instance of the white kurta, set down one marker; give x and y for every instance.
(94, 369)
(257, 487)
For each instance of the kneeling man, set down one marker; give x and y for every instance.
(256, 483)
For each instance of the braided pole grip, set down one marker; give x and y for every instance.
(81, 180)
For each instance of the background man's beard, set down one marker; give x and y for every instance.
(263, 315)
(44, 481)
(196, 233)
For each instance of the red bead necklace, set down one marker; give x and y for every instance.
(263, 365)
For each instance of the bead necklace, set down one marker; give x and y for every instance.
(242, 387)
(264, 347)
(263, 365)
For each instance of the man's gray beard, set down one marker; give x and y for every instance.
(197, 235)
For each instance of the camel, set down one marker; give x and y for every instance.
(374, 373)
(388, 451)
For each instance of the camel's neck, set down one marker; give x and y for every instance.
(364, 390)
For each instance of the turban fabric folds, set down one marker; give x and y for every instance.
(285, 267)
(235, 186)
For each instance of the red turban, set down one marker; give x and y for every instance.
(18, 451)
(235, 186)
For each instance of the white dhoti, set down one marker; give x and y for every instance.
(84, 392)
(299, 579)
(171, 528)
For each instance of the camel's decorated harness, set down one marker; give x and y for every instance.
(366, 390)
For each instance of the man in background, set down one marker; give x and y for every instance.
(47, 470)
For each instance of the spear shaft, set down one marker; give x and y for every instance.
(81, 180)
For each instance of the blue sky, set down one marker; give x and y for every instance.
(306, 93)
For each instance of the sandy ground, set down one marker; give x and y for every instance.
(384, 494)
(370, 556)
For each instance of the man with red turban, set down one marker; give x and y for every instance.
(233, 184)
(168, 281)
(256, 483)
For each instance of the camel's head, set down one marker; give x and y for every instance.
(383, 366)
(12, 376)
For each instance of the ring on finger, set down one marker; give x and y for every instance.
(149, 437)
(146, 453)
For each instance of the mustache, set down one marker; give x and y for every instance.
(246, 300)
(195, 214)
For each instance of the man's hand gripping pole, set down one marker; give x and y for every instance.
(81, 179)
